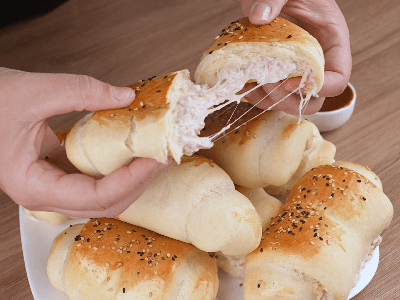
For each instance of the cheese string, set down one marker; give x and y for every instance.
(242, 95)
(229, 125)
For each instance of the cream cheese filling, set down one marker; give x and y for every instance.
(200, 101)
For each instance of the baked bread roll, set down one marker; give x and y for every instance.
(164, 120)
(322, 152)
(266, 150)
(263, 53)
(196, 202)
(110, 260)
(313, 248)
(267, 207)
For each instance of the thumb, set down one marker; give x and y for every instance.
(55, 94)
(262, 11)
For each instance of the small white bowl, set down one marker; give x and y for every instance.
(330, 120)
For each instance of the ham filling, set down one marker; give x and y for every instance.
(200, 101)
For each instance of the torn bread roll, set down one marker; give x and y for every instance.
(163, 120)
(263, 53)
(266, 150)
(196, 202)
(169, 111)
(322, 152)
(108, 259)
(267, 207)
(314, 247)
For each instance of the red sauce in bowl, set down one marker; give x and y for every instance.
(340, 101)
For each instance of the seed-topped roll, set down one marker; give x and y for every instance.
(264, 53)
(109, 259)
(314, 247)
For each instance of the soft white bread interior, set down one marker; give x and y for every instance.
(196, 202)
(315, 245)
(284, 49)
(111, 260)
(266, 150)
(267, 207)
(322, 152)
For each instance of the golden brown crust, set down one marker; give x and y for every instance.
(242, 31)
(327, 224)
(120, 258)
(151, 96)
(306, 213)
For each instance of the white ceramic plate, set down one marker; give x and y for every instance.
(37, 237)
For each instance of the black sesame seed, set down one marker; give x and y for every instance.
(258, 285)
(289, 36)
(158, 91)
(358, 180)
(210, 52)
(301, 228)
(261, 250)
(123, 290)
(321, 238)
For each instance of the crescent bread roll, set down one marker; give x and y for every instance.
(315, 245)
(164, 119)
(270, 52)
(196, 202)
(111, 260)
(266, 207)
(265, 151)
(322, 152)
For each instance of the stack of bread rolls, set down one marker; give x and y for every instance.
(218, 201)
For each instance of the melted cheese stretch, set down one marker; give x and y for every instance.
(200, 101)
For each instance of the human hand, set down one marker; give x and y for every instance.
(323, 20)
(28, 100)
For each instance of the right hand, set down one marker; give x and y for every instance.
(325, 21)
(28, 101)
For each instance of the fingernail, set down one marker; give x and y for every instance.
(122, 93)
(260, 11)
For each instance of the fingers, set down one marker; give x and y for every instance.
(82, 196)
(262, 11)
(46, 95)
